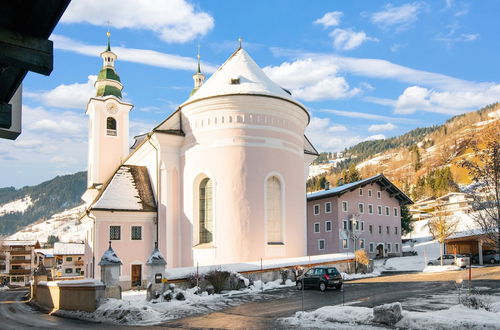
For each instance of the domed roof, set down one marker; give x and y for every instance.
(240, 75)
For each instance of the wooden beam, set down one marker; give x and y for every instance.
(26, 52)
(5, 115)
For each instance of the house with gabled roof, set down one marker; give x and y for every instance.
(365, 215)
(220, 180)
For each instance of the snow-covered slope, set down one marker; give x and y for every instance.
(64, 225)
(19, 205)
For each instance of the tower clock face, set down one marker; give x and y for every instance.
(111, 108)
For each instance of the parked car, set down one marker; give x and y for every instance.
(321, 278)
(449, 259)
(462, 260)
(489, 256)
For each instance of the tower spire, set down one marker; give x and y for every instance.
(198, 77)
(108, 81)
(198, 57)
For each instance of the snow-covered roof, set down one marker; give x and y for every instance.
(109, 258)
(68, 248)
(48, 253)
(129, 189)
(240, 75)
(18, 243)
(156, 257)
(379, 179)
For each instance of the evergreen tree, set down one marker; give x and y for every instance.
(406, 221)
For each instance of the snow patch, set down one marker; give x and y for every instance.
(438, 269)
(19, 205)
(65, 225)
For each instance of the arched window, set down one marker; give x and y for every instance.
(273, 211)
(206, 211)
(111, 126)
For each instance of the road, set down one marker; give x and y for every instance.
(263, 314)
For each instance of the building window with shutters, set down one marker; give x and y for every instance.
(274, 211)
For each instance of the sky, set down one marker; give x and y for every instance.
(364, 69)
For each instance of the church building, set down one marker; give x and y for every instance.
(221, 180)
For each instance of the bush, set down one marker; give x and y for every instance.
(361, 259)
(475, 300)
(194, 280)
(218, 279)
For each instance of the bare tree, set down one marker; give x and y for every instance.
(442, 225)
(485, 172)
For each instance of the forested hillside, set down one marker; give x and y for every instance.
(423, 162)
(20, 207)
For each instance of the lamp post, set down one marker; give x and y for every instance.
(353, 233)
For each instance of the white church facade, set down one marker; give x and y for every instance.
(221, 180)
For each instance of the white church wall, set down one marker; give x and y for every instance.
(239, 146)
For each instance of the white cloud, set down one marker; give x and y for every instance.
(142, 56)
(417, 98)
(400, 18)
(381, 127)
(375, 137)
(347, 39)
(330, 19)
(73, 96)
(395, 47)
(337, 128)
(53, 142)
(325, 136)
(311, 81)
(369, 116)
(464, 37)
(172, 21)
(309, 74)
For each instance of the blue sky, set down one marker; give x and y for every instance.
(365, 69)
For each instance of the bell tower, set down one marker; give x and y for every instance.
(108, 123)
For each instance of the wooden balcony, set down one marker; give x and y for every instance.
(20, 272)
(20, 252)
(20, 261)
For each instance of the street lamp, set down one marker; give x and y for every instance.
(353, 234)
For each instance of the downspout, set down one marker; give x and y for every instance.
(157, 189)
(93, 241)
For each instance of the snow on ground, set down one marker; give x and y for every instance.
(133, 309)
(438, 269)
(450, 317)
(426, 249)
(318, 169)
(421, 230)
(64, 225)
(19, 205)
(348, 277)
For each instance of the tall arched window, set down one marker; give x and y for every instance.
(111, 126)
(206, 211)
(273, 211)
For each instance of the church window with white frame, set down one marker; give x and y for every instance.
(111, 126)
(206, 211)
(274, 211)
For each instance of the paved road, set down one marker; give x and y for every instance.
(262, 314)
(367, 293)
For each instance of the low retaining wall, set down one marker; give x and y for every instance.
(82, 295)
(268, 274)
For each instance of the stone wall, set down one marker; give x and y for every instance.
(68, 296)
